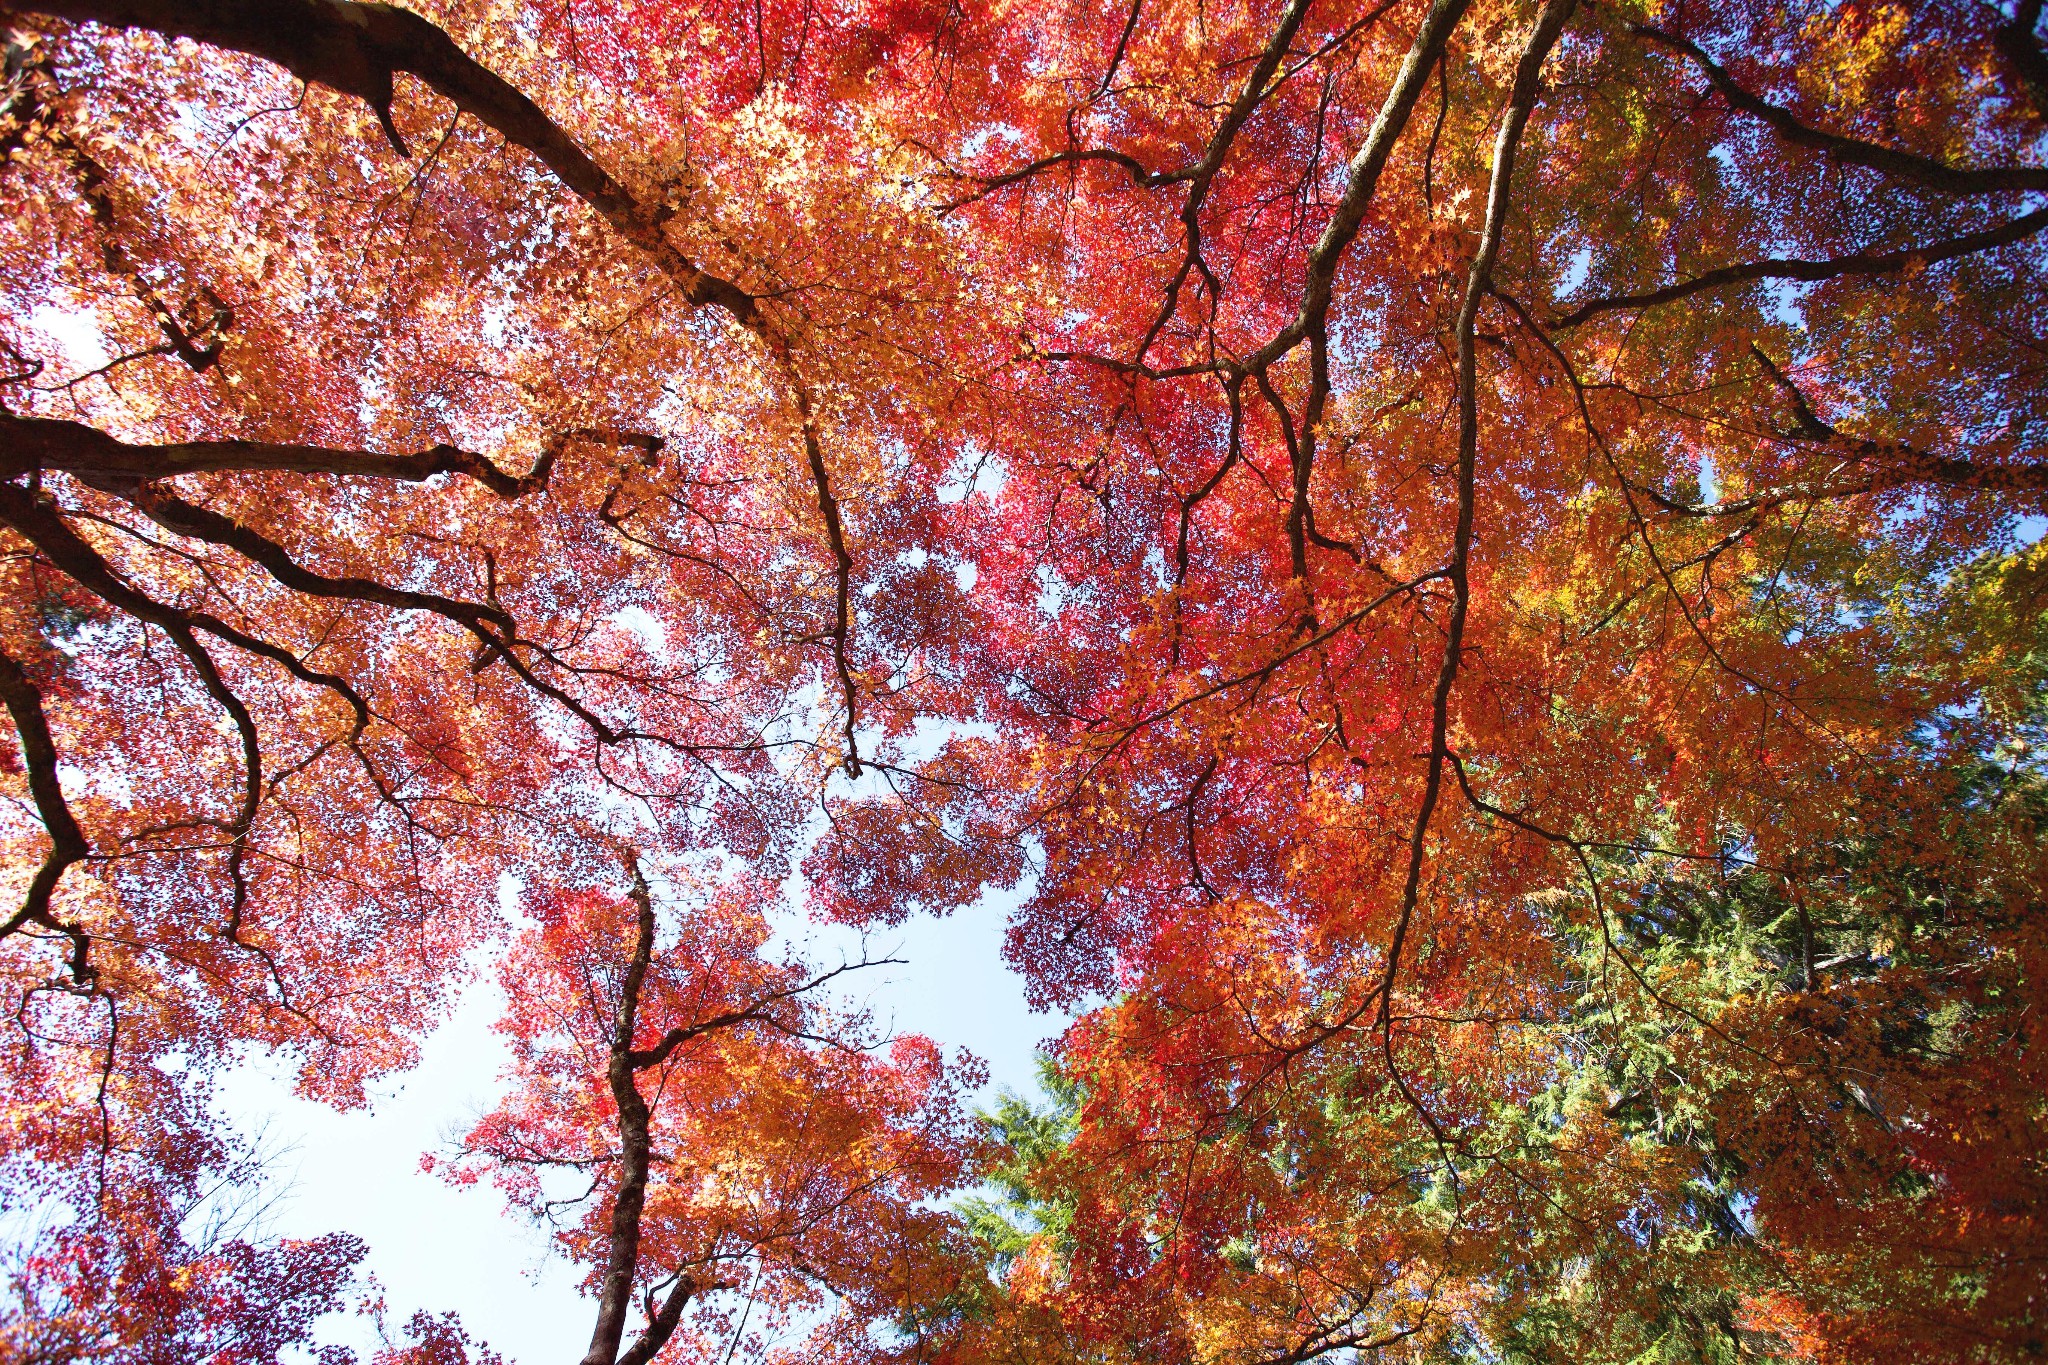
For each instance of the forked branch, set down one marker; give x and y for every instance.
(635, 1117)
(67, 842)
(1521, 102)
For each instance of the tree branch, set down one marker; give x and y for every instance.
(358, 48)
(46, 530)
(842, 569)
(32, 443)
(1859, 263)
(1371, 159)
(67, 842)
(1522, 100)
(1141, 175)
(1256, 88)
(1921, 170)
(1899, 463)
(756, 1012)
(1311, 322)
(662, 1325)
(2017, 43)
(492, 625)
(622, 1257)
(31, 69)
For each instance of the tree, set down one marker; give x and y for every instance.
(736, 1153)
(1476, 552)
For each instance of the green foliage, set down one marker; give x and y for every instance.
(1026, 1140)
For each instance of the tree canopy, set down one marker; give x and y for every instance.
(1477, 565)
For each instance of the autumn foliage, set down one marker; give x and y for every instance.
(1476, 566)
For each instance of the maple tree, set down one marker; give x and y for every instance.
(1472, 557)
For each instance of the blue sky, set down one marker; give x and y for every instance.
(439, 1248)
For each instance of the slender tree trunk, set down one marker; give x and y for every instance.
(623, 1259)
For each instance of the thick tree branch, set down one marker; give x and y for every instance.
(45, 529)
(358, 49)
(67, 842)
(1256, 87)
(1311, 322)
(1366, 166)
(1300, 468)
(634, 1120)
(493, 623)
(32, 443)
(1921, 170)
(113, 466)
(622, 1253)
(842, 571)
(1521, 102)
(2017, 43)
(1899, 464)
(1858, 263)
(662, 1324)
(493, 626)
(1123, 43)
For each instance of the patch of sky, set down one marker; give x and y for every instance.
(1578, 268)
(1915, 508)
(192, 123)
(439, 1247)
(1356, 340)
(976, 469)
(644, 624)
(27, 1222)
(108, 784)
(1155, 562)
(373, 391)
(1785, 303)
(950, 984)
(75, 330)
(976, 142)
(431, 1245)
(496, 315)
(1053, 590)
